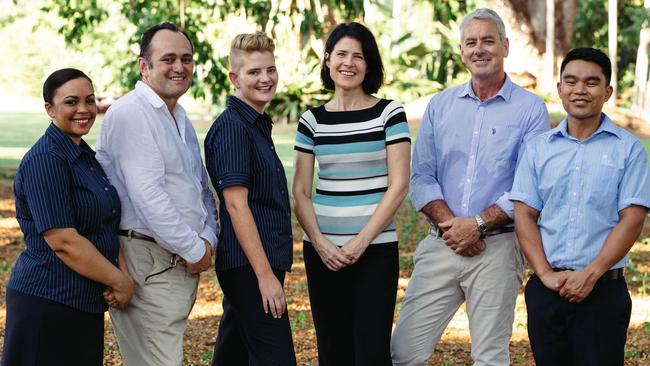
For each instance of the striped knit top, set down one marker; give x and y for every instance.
(350, 148)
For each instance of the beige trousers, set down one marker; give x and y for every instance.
(150, 330)
(441, 282)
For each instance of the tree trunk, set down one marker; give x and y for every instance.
(549, 55)
(612, 32)
(641, 68)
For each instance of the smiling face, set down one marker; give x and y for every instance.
(255, 77)
(73, 109)
(168, 69)
(347, 64)
(482, 49)
(583, 90)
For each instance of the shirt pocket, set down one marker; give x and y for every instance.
(607, 174)
(504, 144)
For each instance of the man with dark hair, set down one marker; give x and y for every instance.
(463, 165)
(151, 155)
(581, 193)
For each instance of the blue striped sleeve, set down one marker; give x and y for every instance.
(635, 184)
(231, 154)
(47, 183)
(524, 187)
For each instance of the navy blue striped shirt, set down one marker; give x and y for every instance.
(239, 151)
(61, 185)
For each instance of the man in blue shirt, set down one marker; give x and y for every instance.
(581, 193)
(463, 166)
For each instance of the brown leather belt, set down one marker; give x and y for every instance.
(136, 235)
(612, 274)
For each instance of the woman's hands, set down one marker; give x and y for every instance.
(337, 258)
(331, 255)
(119, 295)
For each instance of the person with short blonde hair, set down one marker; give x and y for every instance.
(255, 244)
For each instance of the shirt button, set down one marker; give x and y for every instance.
(114, 211)
(471, 156)
(106, 189)
(272, 147)
(92, 169)
(575, 193)
(464, 205)
(277, 169)
(469, 180)
(476, 132)
(577, 168)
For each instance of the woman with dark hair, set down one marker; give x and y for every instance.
(69, 214)
(362, 145)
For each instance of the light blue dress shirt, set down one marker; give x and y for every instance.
(467, 149)
(579, 187)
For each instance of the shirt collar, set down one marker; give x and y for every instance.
(606, 125)
(70, 150)
(155, 100)
(249, 114)
(505, 92)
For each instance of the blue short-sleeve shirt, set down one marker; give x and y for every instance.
(239, 151)
(60, 185)
(579, 187)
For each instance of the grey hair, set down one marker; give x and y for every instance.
(483, 13)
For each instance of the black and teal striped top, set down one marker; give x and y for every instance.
(350, 148)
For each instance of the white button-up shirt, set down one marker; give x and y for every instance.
(154, 162)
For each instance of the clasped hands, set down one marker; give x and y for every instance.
(574, 286)
(336, 258)
(461, 235)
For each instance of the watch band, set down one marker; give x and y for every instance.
(480, 223)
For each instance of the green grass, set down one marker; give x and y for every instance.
(19, 131)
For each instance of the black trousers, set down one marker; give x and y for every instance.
(39, 331)
(592, 332)
(353, 308)
(248, 336)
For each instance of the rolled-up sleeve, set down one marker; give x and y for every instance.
(47, 186)
(635, 184)
(424, 183)
(230, 154)
(524, 187)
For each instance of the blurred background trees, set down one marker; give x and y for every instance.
(419, 41)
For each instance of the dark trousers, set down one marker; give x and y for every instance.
(39, 331)
(248, 336)
(592, 332)
(353, 308)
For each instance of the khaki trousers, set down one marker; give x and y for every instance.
(150, 330)
(441, 282)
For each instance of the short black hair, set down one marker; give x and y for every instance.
(592, 55)
(375, 75)
(147, 36)
(58, 78)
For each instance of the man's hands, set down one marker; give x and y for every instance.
(272, 294)
(462, 236)
(574, 286)
(202, 265)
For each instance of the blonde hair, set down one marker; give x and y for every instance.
(249, 42)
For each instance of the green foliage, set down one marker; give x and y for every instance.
(591, 31)
(418, 59)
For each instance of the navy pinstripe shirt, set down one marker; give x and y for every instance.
(61, 185)
(239, 151)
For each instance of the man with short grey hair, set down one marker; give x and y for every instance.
(463, 167)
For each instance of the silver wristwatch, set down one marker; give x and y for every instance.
(480, 223)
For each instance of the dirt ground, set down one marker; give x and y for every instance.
(454, 349)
